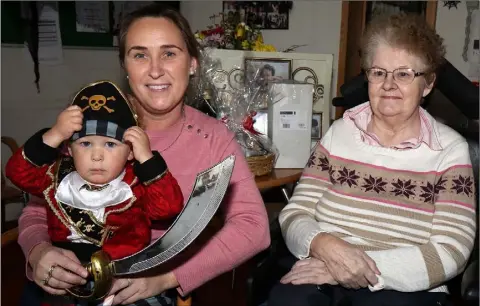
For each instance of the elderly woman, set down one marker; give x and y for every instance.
(385, 208)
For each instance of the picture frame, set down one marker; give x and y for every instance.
(265, 70)
(317, 125)
(264, 15)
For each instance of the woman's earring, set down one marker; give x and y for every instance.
(127, 77)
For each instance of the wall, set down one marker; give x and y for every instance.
(24, 110)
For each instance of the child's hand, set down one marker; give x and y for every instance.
(68, 122)
(140, 143)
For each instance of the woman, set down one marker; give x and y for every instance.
(159, 54)
(385, 209)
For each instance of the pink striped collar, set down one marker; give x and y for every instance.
(361, 115)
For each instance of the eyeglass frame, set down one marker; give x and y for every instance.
(415, 74)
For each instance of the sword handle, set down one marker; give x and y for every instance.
(99, 268)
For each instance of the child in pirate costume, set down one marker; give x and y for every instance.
(105, 194)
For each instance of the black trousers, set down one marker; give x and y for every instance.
(327, 295)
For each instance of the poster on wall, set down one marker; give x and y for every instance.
(50, 49)
(92, 16)
(472, 41)
(266, 15)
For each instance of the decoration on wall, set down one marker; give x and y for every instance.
(450, 4)
(232, 34)
(471, 6)
(266, 15)
(30, 17)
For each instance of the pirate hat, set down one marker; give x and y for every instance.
(106, 111)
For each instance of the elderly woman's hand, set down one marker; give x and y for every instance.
(349, 266)
(130, 290)
(55, 269)
(309, 271)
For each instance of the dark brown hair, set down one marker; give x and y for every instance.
(157, 10)
(409, 32)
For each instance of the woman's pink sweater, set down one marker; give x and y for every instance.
(189, 147)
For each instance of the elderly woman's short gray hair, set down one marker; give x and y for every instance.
(404, 31)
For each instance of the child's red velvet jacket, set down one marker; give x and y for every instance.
(36, 169)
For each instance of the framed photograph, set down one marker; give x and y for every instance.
(265, 70)
(266, 15)
(317, 126)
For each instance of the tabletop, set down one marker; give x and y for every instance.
(278, 177)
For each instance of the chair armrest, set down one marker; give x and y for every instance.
(469, 289)
(266, 271)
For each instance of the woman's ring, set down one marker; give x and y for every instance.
(49, 275)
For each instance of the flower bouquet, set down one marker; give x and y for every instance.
(232, 34)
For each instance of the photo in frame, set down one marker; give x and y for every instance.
(317, 126)
(264, 15)
(265, 70)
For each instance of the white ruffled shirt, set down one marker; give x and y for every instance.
(71, 193)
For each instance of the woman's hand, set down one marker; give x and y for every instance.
(349, 266)
(55, 269)
(309, 271)
(130, 290)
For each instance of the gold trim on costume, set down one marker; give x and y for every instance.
(127, 206)
(28, 159)
(155, 178)
(46, 193)
(89, 187)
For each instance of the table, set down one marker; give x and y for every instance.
(279, 178)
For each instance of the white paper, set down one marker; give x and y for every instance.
(92, 16)
(474, 47)
(50, 40)
(291, 120)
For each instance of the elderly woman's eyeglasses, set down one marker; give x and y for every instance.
(403, 76)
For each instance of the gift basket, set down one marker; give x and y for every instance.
(235, 97)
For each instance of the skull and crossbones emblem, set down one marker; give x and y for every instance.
(96, 102)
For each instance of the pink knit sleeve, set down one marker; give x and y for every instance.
(244, 234)
(32, 228)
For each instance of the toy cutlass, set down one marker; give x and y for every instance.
(207, 194)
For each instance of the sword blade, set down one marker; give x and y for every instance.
(207, 194)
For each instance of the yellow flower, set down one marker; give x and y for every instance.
(199, 35)
(270, 48)
(258, 46)
(245, 44)
(259, 39)
(240, 31)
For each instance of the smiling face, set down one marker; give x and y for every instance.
(99, 159)
(158, 64)
(389, 98)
